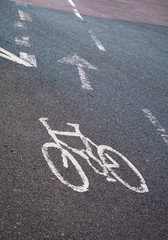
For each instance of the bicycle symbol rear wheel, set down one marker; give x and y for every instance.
(66, 156)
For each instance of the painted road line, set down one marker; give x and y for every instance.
(18, 24)
(78, 14)
(5, 54)
(97, 42)
(94, 38)
(75, 10)
(23, 41)
(21, 4)
(31, 59)
(71, 3)
(81, 64)
(24, 16)
(156, 124)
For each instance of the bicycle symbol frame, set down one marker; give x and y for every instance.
(108, 169)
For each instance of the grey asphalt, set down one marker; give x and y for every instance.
(132, 75)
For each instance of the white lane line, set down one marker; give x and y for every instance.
(75, 10)
(78, 14)
(8, 55)
(71, 3)
(18, 24)
(97, 42)
(94, 38)
(21, 4)
(24, 16)
(156, 124)
(31, 59)
(24, 41)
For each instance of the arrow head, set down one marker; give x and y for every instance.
(77, 61)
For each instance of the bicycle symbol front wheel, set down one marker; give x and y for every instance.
(116, 159)
(66, 156)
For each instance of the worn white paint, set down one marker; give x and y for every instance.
(31, 59)
(86, 153)
(81, 64)
(18, 24)
(97, 42)
(156, 124)
(5, 54)
(24, 16)
(22, 41)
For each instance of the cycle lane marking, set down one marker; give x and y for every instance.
(108, 169)
(81, 64)
(156, 124)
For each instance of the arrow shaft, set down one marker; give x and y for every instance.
(84, 79)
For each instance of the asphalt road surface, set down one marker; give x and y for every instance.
(83, 120)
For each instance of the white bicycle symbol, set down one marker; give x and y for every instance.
(108, 169)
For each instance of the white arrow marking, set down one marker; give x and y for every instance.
(80, 63)
(5, 54)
